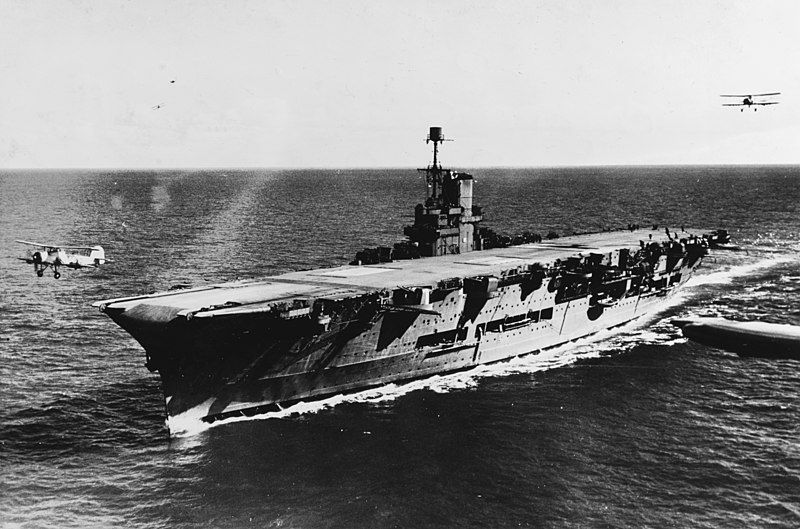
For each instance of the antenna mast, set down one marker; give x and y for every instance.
(435, 135)
(434, 171)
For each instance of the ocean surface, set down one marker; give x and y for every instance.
(635, 428)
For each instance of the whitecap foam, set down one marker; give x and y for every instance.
(189, 422)
(726, 276)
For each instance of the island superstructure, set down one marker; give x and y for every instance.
(451, 297)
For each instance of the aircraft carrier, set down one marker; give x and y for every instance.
(452, 296)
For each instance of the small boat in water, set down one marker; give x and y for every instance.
(746, 338)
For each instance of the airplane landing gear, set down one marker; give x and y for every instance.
(40, 273)
(56, 275)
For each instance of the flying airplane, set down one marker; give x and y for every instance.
(750, 100)
(43, 256)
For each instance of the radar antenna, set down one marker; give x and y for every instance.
(434, 171)
(435, 135)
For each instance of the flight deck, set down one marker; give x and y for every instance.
(349, 280)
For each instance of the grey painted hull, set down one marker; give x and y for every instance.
(272, 393)
(746, 338)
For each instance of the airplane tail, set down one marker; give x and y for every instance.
(98, 255)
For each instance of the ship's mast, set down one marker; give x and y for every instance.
(435, 136)
(434, 171)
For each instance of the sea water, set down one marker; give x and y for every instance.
(632, 428)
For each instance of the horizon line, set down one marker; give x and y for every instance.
(355, 168)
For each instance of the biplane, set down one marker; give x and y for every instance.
(44, 256)
(751, 100)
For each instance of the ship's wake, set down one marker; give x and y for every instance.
(650, 329)
(729, 273)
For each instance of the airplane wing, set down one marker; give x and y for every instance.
(54, 246)
(750, 95)
(732, 104)
(767, 103)
(36, 244)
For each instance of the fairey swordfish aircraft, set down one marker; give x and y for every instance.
(751, 100)
(43, 256)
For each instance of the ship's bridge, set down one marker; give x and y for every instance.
(446, 223)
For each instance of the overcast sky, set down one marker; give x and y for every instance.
(357, 83)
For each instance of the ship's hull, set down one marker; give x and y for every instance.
(746, 338)
(274, 392)
(226, 361)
